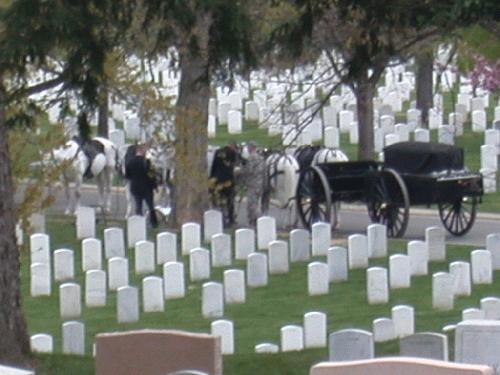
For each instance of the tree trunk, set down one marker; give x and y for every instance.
(102, 118)
(425, 63)
(364, 96)
(191, 176)
(14, 339)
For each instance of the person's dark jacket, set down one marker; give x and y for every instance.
(138, 172)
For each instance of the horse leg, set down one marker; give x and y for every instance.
(78, 190)
(67, 193)
(128, 197)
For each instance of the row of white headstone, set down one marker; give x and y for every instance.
(339, 260)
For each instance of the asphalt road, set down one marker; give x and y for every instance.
(353, 218)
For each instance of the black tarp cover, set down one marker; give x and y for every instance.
(423, 157)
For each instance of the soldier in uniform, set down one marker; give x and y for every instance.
(254, 179)
(222, 180)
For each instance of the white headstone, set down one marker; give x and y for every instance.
(144, 257)
(315, 330)
(42, 343)
(404, 320)
(337, 264)
(478, 342)
(91, 254)
(402, 131)
(190, 237)
(73, 338)
(117, 273)
(153, 296)
(383, 330)
(95, 288)
(489, 157)
(478, 121)
(482, 271)
(377, 285)
(234, 286)
(473, 313)
(136, 230)
(257, 272)
(199, 264)
(377, 240)
(114, 243)
(212, 300)
(212, 224)
(300, 245)
(350, 345)
(225, 330)
(357, 251)
(292, 338)
(244, 243)
(491, 307)
(461, 277)
(421, 135)
(221, 250)
(425, 345)
(252, 111)
(399, 271)
(278, 257)
(419, 257)
(166, 247)
(331, 137)
(442, 291)
(345, 119)
(40, 248)
(222, 112)
(234, 122)
(321, 237)
(317, 278)
(64, 265)
(493, 246)
(127, 304)
(40, 279)
(435, 240)
(173, 278)
(85, 222)
(446, 134)
(266, 231)
(70, 300)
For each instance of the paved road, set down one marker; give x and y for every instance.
(353, 219)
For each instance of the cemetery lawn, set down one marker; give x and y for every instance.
(284, 301)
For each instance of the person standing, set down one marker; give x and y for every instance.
(254, 179)
(142, 182)
(222, 180)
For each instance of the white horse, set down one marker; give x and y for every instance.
(284, 171)
(96, 159)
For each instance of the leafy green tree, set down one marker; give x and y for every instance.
(362, 38)
(33, 32)
(213, 40)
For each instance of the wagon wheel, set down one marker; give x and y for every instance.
(313, 197)
(390, 203)
(459, 216)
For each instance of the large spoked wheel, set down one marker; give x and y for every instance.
(390, 203)
(313, 197)
(459, 216)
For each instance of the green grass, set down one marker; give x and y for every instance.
(284, 301)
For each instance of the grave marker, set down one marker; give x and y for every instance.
(350, 345)
(127, 304)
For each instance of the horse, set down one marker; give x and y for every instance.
(283, 170)
(92, 159)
